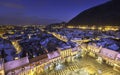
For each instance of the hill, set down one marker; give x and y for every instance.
(104, 14)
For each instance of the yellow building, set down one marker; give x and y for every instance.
(93, 49)
(74, 51)
(65, 53)
(2, 72)
(17, 46)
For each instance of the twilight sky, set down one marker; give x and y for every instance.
(42, 11)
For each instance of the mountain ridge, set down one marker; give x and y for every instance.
(104, 14)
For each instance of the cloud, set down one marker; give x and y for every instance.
(11, 5)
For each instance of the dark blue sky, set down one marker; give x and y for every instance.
(42, 11)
